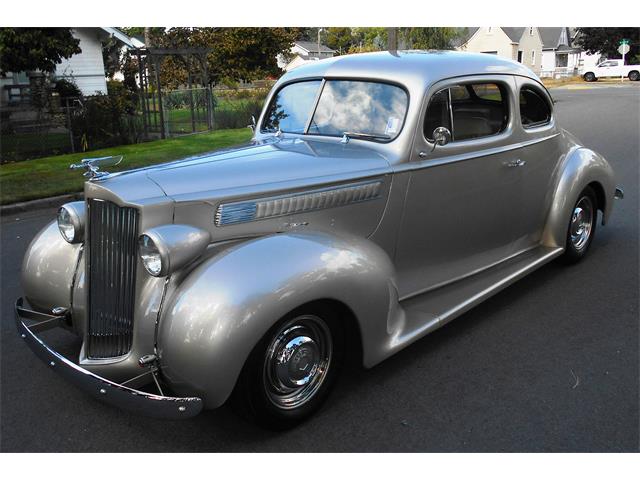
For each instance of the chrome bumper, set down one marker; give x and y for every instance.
(121, 396)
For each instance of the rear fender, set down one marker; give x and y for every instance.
(579, 168)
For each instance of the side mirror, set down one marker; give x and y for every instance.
(441, 136)
(252, 125)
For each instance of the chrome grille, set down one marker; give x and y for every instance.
(111, 273)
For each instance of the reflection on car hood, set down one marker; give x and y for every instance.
(269, 165)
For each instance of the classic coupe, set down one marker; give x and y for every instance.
(381, 196)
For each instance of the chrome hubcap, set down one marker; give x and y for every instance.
(297, 361)
(581, 223)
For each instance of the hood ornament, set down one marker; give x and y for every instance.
(92, 166)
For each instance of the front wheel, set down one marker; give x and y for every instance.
(582, 226)
(634, 75)
(290, 372)
(589, 77)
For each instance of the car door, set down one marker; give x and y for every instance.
(461, 204)
(606, 69)
(540, 150)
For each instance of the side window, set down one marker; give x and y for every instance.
(438, 114)
(534, 108)
(477, 110)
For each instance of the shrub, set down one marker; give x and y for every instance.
(67, 89)
(106, 120)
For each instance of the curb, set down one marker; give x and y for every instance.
(39, 203)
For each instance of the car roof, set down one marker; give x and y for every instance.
(409, 66)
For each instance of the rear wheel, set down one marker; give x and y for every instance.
(582, 226)
(290, 372)
(589, 77)
(634, 75)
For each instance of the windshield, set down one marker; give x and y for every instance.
(371, 109)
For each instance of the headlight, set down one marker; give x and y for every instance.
(150, 255)
(168, 248)
(71, 221)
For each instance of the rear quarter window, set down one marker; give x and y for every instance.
(535, 109)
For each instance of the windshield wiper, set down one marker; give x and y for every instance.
(364, 136)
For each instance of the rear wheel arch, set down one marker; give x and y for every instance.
(634, 75)
(601, 198)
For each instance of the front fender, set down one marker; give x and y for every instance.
(222, 308)
(579, 168)
(49, 269)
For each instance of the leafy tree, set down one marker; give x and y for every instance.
(375, 38)
(439, 38)
(606, 40)
(235, 53)
(28, 49)
(341, 39)
(369, 39)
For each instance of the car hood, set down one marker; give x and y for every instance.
(266, 166)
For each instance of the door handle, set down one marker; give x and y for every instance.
(516, 163)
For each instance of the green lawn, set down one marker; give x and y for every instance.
(48, 176)
(17, 146)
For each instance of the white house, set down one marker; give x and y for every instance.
(523, 44)
(303, 52)
(86, 69)
(548, 51)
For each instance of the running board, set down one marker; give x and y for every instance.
(431, 310)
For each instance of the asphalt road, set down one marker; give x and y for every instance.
(550, 364)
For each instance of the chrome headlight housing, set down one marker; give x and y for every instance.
(71, 219)
(167, 248)
(150, 255)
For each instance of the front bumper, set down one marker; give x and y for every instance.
(119, 395)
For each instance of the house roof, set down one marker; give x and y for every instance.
(551, 36)
(128, 41)
(514, 33)
(313, 47)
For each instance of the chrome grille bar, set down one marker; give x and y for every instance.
(111, 274)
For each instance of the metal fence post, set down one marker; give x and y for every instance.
(68, 111)
(160, 104)
(209, 96)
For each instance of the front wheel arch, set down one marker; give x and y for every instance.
(634, 75)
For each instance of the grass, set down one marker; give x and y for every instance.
(49, 176)
(17, 146)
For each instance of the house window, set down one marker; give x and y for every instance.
(533, 57)
(469, 111)
(489, 29)
(531, 31)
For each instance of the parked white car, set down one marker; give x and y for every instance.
(612, 68)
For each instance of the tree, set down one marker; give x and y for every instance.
(29, 49)
(424, 38)
(341, 39)
(375, 38)
(606, 40)
(235, 53)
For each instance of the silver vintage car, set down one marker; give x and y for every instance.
(382, 196)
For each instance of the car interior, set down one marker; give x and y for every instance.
(478, 110)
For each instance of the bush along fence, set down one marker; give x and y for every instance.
(71, 123)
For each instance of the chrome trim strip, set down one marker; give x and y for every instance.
(461, 157)
(293, 203)
(119, 395)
